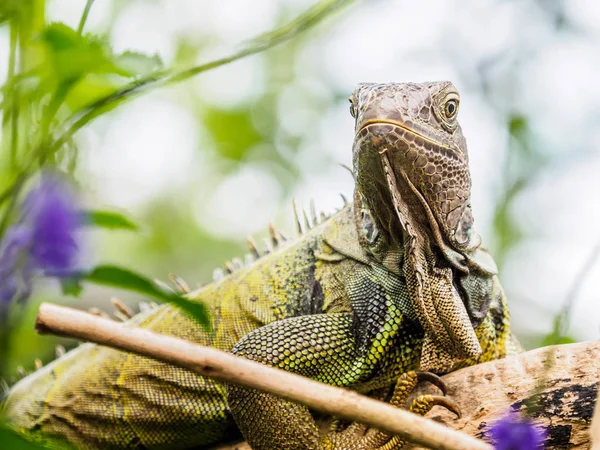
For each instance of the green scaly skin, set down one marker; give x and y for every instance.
(336, 305)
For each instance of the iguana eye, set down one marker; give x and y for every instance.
(451, 108)
(447, 111)
(352, 108)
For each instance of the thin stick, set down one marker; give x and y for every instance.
(213, 363)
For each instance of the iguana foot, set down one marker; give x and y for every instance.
(360, 437)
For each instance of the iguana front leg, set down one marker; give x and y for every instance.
(323, 348)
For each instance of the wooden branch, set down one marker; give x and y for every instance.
(484, 392)
(565, 376)
(213, 363)
(595, 426)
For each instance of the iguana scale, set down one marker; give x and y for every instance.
(394, 282)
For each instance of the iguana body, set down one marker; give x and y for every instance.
(346, 304)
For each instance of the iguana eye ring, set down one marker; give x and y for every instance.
(446, 110)
(352, 108)
(451, 108)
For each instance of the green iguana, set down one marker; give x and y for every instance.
(394, 282)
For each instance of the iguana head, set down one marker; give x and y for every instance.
(412, 130)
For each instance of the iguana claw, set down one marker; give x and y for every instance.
(423, 403)
(359, 436)
(433, 379)
(447, 403)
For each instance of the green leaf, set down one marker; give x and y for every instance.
(90, 89)
(72, 56)
(126, 279)
(59, 36)
(556, 339)
(71, 286)
(137, 64)
(108, 219)
(10, 9)
(11, 440)
(73, 64)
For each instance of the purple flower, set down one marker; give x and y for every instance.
(514, 432)
(43, 241)
(51, 212)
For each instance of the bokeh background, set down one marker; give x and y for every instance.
(205, 163)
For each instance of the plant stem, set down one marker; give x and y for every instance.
(12, 194)
(258, 44)
(14, 97)
(84, 16)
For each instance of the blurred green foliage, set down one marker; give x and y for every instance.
(60, 79)
(50, 86)
(231, 145)
(12, 441)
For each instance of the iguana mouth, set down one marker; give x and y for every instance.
(398, 124)
(455, 258)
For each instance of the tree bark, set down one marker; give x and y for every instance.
(564, 376)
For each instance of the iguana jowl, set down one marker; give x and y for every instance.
(394, 282)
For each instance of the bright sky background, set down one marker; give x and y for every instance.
(154, 145)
